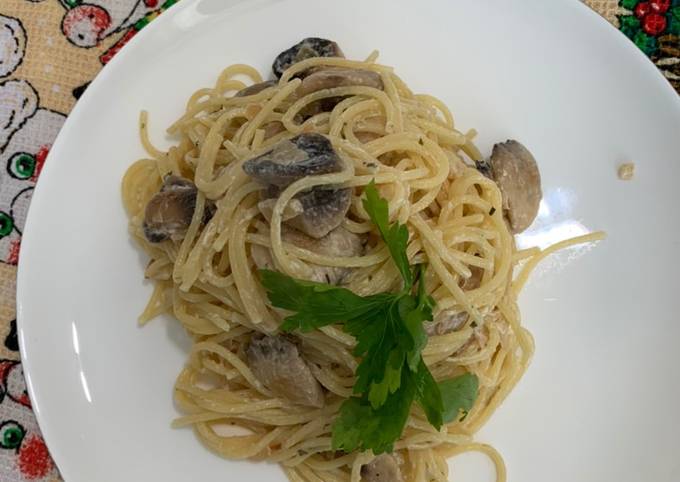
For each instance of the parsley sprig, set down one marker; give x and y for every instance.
(388, 328)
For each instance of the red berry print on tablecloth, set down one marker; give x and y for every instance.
(654, 24)
(34, 458)
(642, 9)
(660, 6)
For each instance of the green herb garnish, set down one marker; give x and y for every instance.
(390, 338)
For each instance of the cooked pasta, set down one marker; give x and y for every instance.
(206, 274)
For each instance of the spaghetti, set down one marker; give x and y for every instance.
(207, 278)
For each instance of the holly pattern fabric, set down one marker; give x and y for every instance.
(654, 26)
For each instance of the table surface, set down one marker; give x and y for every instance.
(49, 52)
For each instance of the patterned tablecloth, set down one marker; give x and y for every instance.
(49, 52)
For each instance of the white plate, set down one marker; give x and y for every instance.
(599, 403)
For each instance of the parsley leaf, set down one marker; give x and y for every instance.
(413, 320)
(316, 304)
(390, 382)
(379, 345)
(459, 395)
(388, 328)
(395, 236)
(429, 396)
(425, 302)
(361, 427)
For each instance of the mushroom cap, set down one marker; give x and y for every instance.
(276, 362)
(335, 77)
(383, 468)
(304, 155)
(169, 212)
(255, 88)
(339, 242)
(515, 171)
(446, 321)
(305, 49)
(323, 210)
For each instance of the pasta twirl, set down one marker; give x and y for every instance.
(408, 144)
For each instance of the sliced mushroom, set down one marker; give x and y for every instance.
(326, 78)
(209, 211)
(326, 104)
(173, 182)
(273, 128)
(339, 242)
(383, 468)
(292, 159)
(331, 77)
(474, 281)
(445, 322)
(262, 257)
(515, 171)
(478, 339)
(322, 211)
(293, 208)
(168, 214)
(276, 362)
(255, 88)
(323, 208)
(305, 49)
